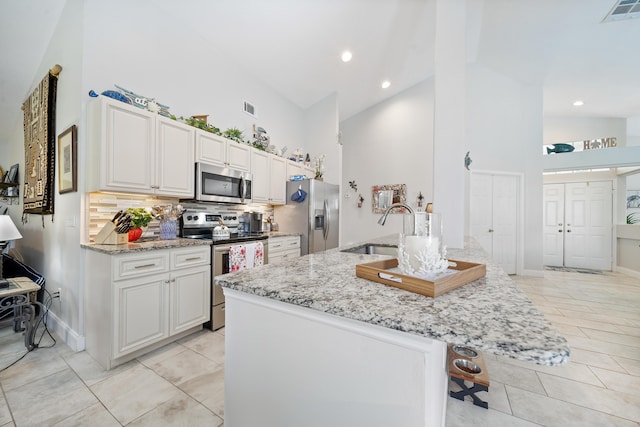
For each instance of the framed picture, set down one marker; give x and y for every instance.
(12, 175)
(383, 196)
(68, 161)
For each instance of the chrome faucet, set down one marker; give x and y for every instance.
(383, 218)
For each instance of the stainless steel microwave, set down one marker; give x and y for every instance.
(218, 184)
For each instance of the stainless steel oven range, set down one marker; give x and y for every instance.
(199, 224)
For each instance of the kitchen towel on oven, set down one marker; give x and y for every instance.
(242, 257)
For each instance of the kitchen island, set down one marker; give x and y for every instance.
(309, 343)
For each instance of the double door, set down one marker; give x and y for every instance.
(578, 225)
(494, 217)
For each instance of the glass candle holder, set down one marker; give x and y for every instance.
(420, 250)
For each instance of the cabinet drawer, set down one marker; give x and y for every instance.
(128, 266)
(191, 256)
(284, 243)
(280, 256)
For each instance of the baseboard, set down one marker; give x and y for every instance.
(627, 271)
(533, 273)
(68, 335)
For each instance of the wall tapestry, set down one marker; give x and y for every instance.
(40, 147)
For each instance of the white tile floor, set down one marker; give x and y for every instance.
(182, 383)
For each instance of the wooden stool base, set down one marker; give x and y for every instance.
(480, 381)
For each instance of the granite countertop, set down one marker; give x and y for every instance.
(154, 244)
(490, 314)
(145, 245)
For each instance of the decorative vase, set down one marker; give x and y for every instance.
(420, 250)
(134, 234)
(168, 229)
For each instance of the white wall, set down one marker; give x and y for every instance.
(390, 143)
(633, 131)
(152, 53)
(569, 129)
(51, 244)
(504, 134)
(321, 136)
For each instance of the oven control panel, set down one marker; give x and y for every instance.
(203, 219)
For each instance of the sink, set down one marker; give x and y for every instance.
(373, 249)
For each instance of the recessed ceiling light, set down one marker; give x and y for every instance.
(578, 103)
(386, 84)
(346, 56)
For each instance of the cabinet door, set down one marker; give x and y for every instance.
(128, 149)
(277, 179)
(190, 292)
(175, 169)
(238, 156)
(211, 148)
(141, 316)
(294, 169)
(260, 171)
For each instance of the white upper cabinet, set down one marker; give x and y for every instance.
(294, 168)
(269, 178)
(216, 150)
(132, 150)
(174, 153)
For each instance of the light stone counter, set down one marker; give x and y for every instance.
(490, 314)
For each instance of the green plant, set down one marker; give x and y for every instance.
(139, 217)
(633, 218)
(201, 124)
(234, 134)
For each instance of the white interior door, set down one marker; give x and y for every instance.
(577, 227)
(494, 217)
(482, 210)
(505, 220)
(553, 225)
(583, 232)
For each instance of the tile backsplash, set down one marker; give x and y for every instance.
(103, 206)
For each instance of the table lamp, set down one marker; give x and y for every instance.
(8, 231)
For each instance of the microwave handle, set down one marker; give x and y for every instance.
(243, 188)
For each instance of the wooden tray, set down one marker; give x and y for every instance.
(378, 272)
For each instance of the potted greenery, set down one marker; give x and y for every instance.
(139, 218)
(234, 134)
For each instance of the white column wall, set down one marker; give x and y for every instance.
(449, 119)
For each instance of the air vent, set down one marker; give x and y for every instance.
(250, 109)
(623, 9)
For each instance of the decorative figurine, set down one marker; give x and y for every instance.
(467, 160)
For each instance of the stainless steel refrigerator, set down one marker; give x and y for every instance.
(315, 217)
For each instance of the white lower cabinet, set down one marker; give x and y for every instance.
(141, 315)
(136, 302)
(283, 248)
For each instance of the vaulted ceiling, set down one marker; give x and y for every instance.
(295, 46)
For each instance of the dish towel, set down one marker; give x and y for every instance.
(243, 257)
